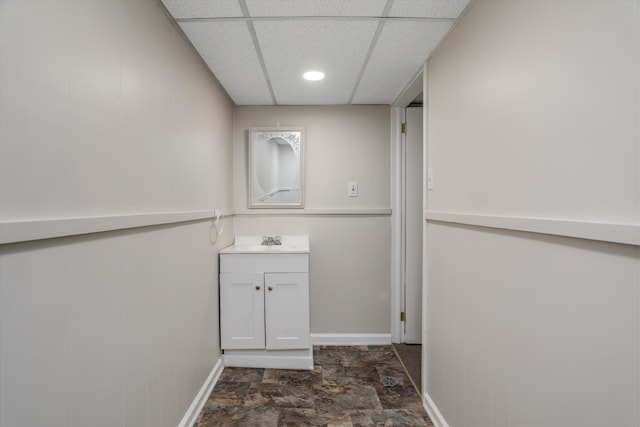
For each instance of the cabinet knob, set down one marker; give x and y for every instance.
(270, 288)
(257, 288)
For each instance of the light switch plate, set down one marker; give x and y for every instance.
(352, 189)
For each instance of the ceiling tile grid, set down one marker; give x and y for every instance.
(227, 48)
(337, 48)
(368, 49)
(402, 48)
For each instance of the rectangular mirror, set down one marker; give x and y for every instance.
(276, 168)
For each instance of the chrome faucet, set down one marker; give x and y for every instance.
(271, 240)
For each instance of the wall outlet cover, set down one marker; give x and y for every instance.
(352, 189)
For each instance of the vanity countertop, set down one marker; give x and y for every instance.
(252, 245)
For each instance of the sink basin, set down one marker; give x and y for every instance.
(252, 245)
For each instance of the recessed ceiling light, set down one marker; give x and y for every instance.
(313, 75)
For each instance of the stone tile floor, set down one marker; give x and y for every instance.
(344, 390)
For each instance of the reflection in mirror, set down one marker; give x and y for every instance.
(276, 168)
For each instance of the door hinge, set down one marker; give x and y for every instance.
(403, 316)
(404, 128)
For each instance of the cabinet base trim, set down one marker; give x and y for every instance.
(191, 416)
(272, 359)
(351, 339)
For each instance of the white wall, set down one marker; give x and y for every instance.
(534, 113)
(107, 115)
(349, 237)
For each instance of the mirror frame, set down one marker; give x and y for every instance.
(259, 132)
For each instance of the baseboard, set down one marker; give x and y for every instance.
(351, 339)
(433, 412)
(191, 416)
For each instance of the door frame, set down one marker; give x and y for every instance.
(412, 90)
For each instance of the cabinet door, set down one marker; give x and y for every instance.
(287, 310)
(242, 310)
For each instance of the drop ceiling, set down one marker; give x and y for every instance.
(369, 50)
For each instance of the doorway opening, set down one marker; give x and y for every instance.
(407, 227)
(412, 218)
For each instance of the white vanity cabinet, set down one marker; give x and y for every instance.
(264, 309)
(264, 306)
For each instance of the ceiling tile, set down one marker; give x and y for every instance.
(315, 7)
(181, 9)
(428, 8)
(337, 48)
(227, 48)
(399, 54)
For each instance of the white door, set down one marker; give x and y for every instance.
(287, 310)
(414, 214)
(242, 311)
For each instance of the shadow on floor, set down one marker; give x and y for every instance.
(411, 357)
